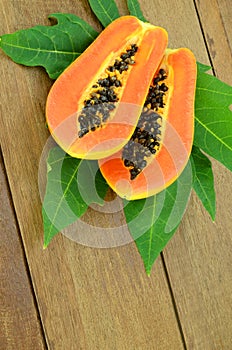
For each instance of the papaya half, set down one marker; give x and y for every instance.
(159, 148)
(85, 109)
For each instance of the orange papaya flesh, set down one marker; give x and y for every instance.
(85, 109)
(160, 146)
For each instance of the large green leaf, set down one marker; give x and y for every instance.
(64, 201)
(203, 181)
(105, 10)
(213, 118)
(53, 47)
(153, 221)
(135, 10)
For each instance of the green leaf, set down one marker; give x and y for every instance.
(64, 201)
(91, 183)
(135, 10)
(154, 220)
(213, 118)
(53, 47)
(105, 10)
(202, 67)
(203, 181)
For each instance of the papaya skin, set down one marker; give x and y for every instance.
(70, 90)
(166, 165)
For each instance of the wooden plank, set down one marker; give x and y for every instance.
(226, 16)
(198, 259)
(19, 324)
(88, 298)
(180, 20)
(218, 34)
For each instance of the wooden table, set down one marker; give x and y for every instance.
(75, 297)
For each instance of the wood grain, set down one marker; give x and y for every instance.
(88, 298)
(94, 298)
(225, 9)
(199, 257)
(19, 324)
(217, 23)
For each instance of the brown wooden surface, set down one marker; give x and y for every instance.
(201, 275)
(101, 299)
(19, 323)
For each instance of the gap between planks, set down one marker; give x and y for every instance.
(204, 37)
(173, 301)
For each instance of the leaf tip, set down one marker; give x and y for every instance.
(203, 68)
(213, 215)
(46, 243)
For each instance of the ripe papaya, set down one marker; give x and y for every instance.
(160, 146)
(85, 109)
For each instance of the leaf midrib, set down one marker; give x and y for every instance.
(42, 50)
(206, 196)
(151, 231)
(214, 91)
(62, 198)
(104, 11)
(133, 7)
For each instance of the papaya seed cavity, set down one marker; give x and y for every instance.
(146, 138)
(105, 93)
